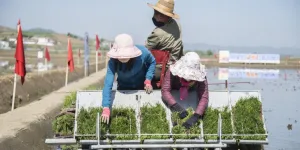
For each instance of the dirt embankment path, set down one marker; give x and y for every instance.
(27, 127)
(36, 86)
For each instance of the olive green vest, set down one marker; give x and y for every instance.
(169, 38)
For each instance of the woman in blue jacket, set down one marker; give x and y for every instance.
(134, 65)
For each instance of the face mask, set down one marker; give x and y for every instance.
(156, 23)
(124, 60)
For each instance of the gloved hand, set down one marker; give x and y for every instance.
(177, 108)
(105, 115)
(191, 121)
(148, 87)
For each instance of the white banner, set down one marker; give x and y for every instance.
(226, 73)
(227, 57)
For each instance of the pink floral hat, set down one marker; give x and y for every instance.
(124, 47)
(189, 67)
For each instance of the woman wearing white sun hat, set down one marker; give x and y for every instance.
(134, 65)
(186, 74)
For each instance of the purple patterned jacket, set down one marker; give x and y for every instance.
(172, 82)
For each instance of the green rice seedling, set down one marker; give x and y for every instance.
(192, 133)
(154, 121)
(226, 124)
(69, 100)
(210, 123)
(63, 125)
(86, 122)
(123, 121)
(248, 119)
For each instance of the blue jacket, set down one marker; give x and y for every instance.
(142, 69)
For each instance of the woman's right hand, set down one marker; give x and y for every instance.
(178, 108)
(105, 115)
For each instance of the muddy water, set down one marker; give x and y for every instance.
(281, 105)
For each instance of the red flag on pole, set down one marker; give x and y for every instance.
(70, 56)
(47, 55)
(20, 68)
(97, 42)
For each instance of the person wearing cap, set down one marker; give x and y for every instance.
(134, 65)
(185, 75)
(167, 33)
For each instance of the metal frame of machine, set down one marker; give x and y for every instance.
(136, 99)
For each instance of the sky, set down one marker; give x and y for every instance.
(274, 23)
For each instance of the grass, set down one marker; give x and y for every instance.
(248, 119)
(154, 121)
(192, 133)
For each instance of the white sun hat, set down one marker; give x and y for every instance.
(124, 47)
(189, 67)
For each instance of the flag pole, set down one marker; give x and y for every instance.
(96, 60)
(78, 60)
(46, 63)
(67, 74)
(14, 93)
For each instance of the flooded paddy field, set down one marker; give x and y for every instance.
(280, 90)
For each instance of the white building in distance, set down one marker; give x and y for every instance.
(4, 45)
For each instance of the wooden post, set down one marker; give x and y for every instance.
(96, 60)
(14, 93)
(67, 72)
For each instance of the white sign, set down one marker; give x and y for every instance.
(40, 54)
(225, 73)
(224, 56)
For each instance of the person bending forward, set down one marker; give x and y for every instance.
(134, 65)
(185, 75)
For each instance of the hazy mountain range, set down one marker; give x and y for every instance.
(244, 49)
(200, 46)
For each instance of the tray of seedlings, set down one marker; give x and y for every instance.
(154, 122)
(180, 132)
(63, 124)
(123, 124)
(86, 124)
(210, 123)
(248, 120)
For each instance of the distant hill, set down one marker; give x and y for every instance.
(244, 49)
(60, 38)
(5, 29)
(40, 30)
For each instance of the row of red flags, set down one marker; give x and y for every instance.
(20, 68)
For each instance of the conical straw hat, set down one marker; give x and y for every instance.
(165, 7)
